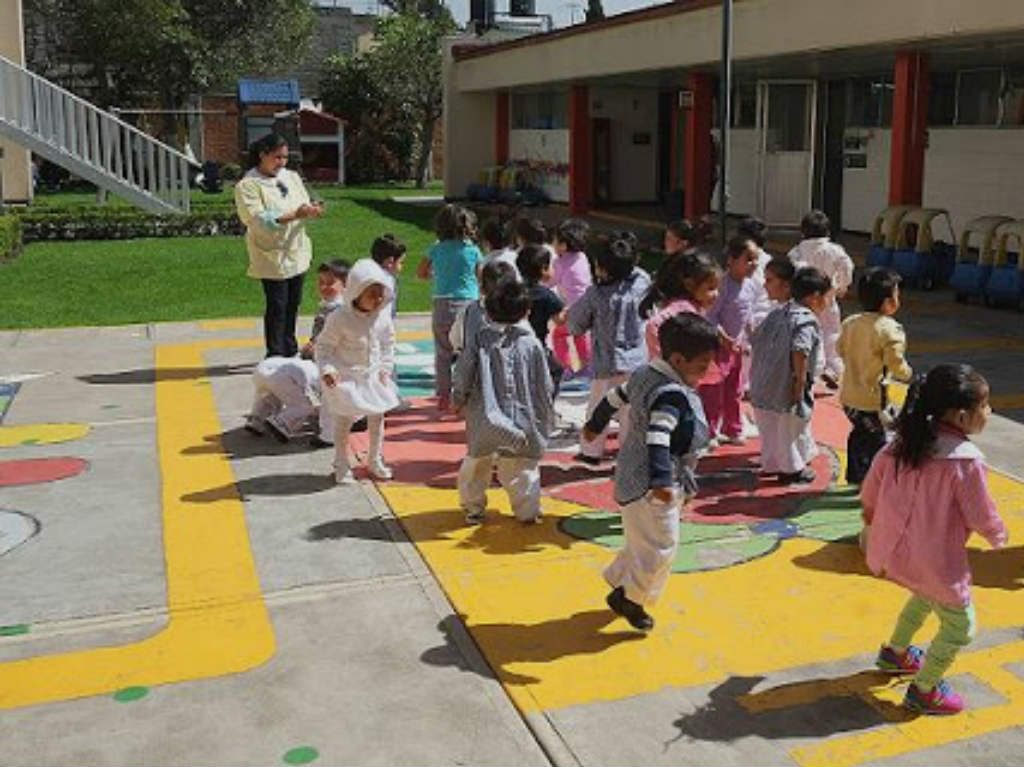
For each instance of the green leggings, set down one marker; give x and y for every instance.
(957, 627)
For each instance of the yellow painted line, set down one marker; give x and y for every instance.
(533, 598)
(41, 433)
(228, 324)
(218, 622)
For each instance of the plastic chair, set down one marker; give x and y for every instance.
(974, 265)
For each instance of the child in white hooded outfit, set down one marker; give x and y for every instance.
(356, 355)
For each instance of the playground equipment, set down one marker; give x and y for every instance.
(884, 233)
(1006, 283)
(919, 258)
(975, 261)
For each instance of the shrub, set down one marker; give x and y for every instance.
(10, 237)
(231, 171)
(108, 223)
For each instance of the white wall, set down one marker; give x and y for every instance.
(634, 166)
(468, 132)
(970, 172)
(866, 190)
(743, 171)
(546, 146)
(974, 172)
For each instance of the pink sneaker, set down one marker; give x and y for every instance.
(907, 662)
(941, 701)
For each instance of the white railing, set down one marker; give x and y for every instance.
(91, 143)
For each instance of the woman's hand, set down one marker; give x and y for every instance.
(309, 210)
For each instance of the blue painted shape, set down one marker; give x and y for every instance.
(780, 528)
(7, 393)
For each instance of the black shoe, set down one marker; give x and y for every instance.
(589, 460)
(831, 382)
(628, 609)
(276, 433)
(316, 443)
(805, 477)
(360, 425)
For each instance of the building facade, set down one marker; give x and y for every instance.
(847, 106)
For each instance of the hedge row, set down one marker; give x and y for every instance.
(100, 223)
(10, 237)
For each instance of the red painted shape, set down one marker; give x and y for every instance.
(909, 129)
(697, 151)
(501, 127)
(33, 471)
(581, 154)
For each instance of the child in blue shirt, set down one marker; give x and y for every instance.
(452, 262)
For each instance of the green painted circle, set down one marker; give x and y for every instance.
(129, 694)
(301, 755)
(701, 547)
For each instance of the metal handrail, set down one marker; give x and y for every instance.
(90, 142)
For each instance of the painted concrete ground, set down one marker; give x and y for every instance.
(765, 633)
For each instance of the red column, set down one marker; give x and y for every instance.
(501, 128)
(581, 154)
(697, 146)
(909, 129)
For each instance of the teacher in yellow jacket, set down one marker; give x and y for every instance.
(273, 204)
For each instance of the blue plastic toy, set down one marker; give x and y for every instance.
(918, 258)
(975, 260)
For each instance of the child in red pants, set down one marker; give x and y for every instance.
(732, 312)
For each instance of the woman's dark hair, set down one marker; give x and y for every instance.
(619, 259)
(753, 228)
(737, 246)
(945, 387)
(688, 334)
(531, 262)
(782, 268)
(508, 301)
(494, 233)
(261, 146)
(671, 279)
(531, 231)
(875, 286)
(454, 222)
(573, 232)
(493, 272)
(815, 224)
(809, 281)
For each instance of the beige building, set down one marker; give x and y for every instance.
(15, 175)
(848, 106)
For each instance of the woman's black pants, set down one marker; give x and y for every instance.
(283, 299)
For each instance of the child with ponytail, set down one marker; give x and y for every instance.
(924, 495)
(685, 283)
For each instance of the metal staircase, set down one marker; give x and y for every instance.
(91, 143)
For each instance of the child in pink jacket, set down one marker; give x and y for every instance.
(923, 496)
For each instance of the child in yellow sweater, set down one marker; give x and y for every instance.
(873, 346)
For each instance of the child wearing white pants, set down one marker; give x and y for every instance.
(286, 391)
(503, 388)
(653, 471)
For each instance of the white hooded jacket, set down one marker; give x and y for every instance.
(354, 342)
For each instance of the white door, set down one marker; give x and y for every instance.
(786, 120)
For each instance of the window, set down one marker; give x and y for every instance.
(869, 102)
(942, 99)
(977, 97)
(539, 111)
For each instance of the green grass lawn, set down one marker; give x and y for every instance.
(59, 284)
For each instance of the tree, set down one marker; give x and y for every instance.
(393, 94)
(169, 50)
(595, 11)
(409, 60)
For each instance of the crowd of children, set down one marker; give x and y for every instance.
(671, 359)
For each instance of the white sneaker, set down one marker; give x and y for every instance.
(343, 476)
(474, 516)
(739, 439)
(379, 470)
(254, 425)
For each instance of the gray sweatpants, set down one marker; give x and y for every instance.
(442, 318)
(519, 476)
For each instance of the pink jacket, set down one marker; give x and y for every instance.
(571, 275)
(655, 321)
(921, 519)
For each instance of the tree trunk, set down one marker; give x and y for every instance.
(426, 144)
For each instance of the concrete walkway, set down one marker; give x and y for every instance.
(175, 591)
